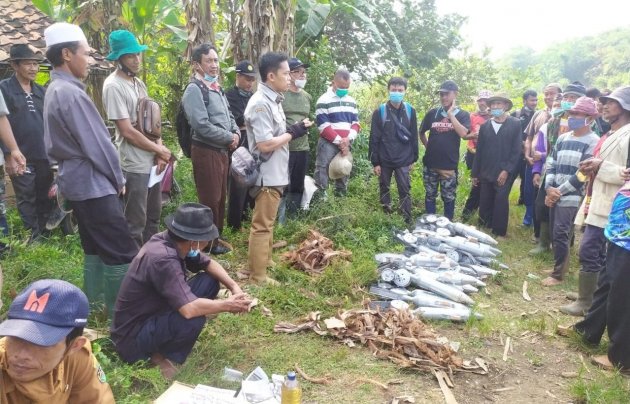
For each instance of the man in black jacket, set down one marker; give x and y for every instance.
(25, 101)
(238, 97)
(394, 146)
(496, 162)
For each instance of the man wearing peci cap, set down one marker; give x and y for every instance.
(215, 134)
(297, 107)
(44, 356)
(122, 91)
(90, 176)
(446, 125)
(25, 100)
(563, 187)
(238, 97)
(160, 310)
(496, 163)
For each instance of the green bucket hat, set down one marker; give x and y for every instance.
(123, 42)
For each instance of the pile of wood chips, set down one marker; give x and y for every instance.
(394, 334)
(314, 254)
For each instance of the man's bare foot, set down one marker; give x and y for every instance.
(167, 368)
(549, 281)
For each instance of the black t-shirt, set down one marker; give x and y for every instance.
(443, 147)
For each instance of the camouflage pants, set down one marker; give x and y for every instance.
(448, 191)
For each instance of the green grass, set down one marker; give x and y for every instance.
(355, 223)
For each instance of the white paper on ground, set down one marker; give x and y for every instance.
(154, 177)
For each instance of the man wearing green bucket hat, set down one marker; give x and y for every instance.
(122, 92)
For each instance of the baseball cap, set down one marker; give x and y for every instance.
(246, 68)
(46, 312)
(294, 63)
(447, 86)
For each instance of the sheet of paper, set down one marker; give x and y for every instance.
(154, 177)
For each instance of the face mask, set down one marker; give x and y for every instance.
(244, 93)
(341, 92)
(496, 112)
(444, 112)
(557, 111)
(396, 97)
(576, 123)
(300, 83)
(566, 105)
(209, 78)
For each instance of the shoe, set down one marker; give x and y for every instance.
(55, 218)
(167, 368)
(549, 281)
(219, 249)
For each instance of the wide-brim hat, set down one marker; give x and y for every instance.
(340, 166)
(123, 42)
(621, 95)
(24, 52)
(192, 221)
(503, 98)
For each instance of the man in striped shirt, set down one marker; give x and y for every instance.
(337, 119)
(563, 186)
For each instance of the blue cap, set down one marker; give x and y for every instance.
(46, 312)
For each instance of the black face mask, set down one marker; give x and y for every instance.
(192, 259)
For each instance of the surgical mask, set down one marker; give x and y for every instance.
(244, 93)
(209, 78)
(300, 83)
(566, 105)
(194, 255)
(496, 112)
(396, 96)
(576, 123)
(444, 112)
(557, 111)
(341, 92)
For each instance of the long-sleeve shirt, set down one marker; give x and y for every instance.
(76, 137)
(561, 172)
(497, 150)
(337, 118)
(540, 147)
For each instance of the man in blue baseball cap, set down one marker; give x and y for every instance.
(44, 356)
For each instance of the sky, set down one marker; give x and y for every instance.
(502, 25)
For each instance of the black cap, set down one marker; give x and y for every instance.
(24, 52)
(576, 88)
(245, 67)
(448, 85)
(294, 63)
(192, 221)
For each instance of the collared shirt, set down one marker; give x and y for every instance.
(79, 378)
(26, 117)
(264, 119)
(120, 99)
(76, 137)
(4, 111)
(155, 283)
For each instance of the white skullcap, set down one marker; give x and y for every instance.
(61, 32)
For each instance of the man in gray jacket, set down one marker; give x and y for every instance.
(214, 133)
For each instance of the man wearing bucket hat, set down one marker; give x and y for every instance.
(160, 311)
(25, 100)
(563, 186)
(122, 92)
(477, 118)
(496, 161)
(447, 126)
(89, 168)
(605, 173)
(44, 356)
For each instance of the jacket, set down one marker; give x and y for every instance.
(385, 148)
(497, 152)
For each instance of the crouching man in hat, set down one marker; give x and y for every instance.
(160, 310)
(44, 356)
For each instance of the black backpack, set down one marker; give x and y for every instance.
(184, 130)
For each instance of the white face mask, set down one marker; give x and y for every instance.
(300, 83)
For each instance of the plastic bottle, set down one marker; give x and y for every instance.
(291, 391)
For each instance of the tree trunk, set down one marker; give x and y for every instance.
(198, 23)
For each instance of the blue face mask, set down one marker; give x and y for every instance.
(444, 112)
(396, 97)
(496, 112)
(566, 105)
(209, 78)
(341, 92)
(557, 111)
(576, 123)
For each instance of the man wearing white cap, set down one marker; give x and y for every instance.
(90, 176)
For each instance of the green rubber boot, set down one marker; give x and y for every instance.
(113, 276)
(93, 280)
(586, 287)
(544, 241)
